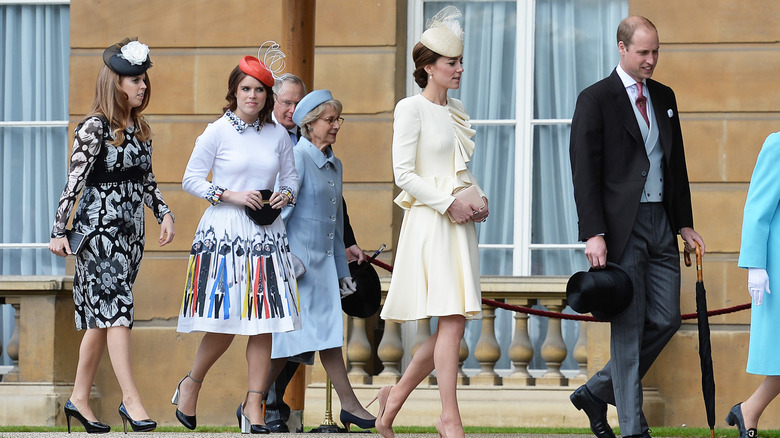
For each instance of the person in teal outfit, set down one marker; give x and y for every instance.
(760, 255)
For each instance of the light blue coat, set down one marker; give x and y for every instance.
(761, 249)
(315, 227)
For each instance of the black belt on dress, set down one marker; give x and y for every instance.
(100, 176)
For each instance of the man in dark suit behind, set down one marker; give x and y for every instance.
(633, 198)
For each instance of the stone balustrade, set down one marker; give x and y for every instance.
(44, 348)
(521, 291)
(487, 395)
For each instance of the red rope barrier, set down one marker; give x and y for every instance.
(559, 315)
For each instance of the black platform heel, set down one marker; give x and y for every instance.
(348, 418)
(89, 426)
(245, 424)
(188, 421)
(146, 425)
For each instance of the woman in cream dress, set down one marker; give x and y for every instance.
(437, 264)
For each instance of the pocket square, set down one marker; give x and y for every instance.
(670, 113)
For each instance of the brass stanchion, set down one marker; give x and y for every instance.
(328, 425)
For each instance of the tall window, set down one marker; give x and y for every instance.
(34, 51)
(525, 63)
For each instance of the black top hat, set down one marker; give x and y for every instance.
(265, 215)
(605, 293)
(132, 61)
(365, 301)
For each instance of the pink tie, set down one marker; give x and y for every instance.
(641, 103)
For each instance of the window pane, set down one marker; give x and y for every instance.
(554, 215)
(38, 261)
(34, 55)
(558, 261)
(488, 87)
(574, 47)
(493, 166)
(495, 261)
(33, 163)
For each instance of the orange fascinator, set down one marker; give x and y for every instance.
(266, 70)
(255, 68)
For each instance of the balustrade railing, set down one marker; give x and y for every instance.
(547, 291)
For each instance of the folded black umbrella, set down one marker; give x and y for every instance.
(705, 347)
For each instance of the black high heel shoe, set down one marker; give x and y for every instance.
(188, 421)
(348, 419)
(146, 425)
(245, 424)
(89, 426)
(734, 418)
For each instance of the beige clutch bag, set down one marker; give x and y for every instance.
(470, 195)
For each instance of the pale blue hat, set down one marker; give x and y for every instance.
(309, 102)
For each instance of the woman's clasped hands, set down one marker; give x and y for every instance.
(254, 199)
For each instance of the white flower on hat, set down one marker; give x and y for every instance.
(135, 52)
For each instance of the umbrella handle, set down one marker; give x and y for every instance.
(699, 274)
(687, 258)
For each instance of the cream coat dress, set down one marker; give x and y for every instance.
(436, 270)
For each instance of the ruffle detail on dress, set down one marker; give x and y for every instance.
(464, 147)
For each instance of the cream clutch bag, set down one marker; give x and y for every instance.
(470, 195)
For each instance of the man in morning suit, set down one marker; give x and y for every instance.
(633, 198)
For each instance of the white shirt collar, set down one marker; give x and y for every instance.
(626, 78)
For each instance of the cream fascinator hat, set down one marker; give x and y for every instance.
(444, 34)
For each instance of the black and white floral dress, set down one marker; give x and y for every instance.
(117, 181)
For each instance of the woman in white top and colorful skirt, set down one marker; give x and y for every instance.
(240, 278)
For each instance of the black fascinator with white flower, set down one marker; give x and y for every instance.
(128, 57)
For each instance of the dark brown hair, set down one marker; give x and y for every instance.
(236, 76)
(422, 56)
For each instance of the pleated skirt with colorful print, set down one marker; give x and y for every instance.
(240, 277)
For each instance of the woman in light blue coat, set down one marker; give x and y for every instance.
(760, 254)
(315, 231)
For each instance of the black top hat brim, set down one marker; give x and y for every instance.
(366, 299)
(265, 215)
(604, 293)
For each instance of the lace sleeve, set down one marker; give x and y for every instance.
(86, 146)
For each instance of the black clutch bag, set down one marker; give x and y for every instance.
(265, 215)
(76, 241)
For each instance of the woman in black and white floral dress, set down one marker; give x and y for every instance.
(111, 163)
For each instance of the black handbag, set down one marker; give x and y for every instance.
(265, 215)
(76, 241)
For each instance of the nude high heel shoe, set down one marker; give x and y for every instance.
(382, 395)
